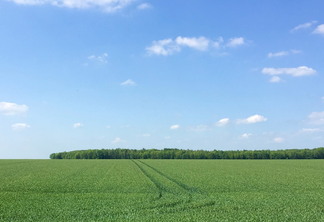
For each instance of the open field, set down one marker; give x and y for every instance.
(161, 190)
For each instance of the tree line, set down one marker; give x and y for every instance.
(167, 153)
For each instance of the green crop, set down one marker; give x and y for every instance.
(161, 190)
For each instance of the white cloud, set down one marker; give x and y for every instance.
(319, 29)
(170, 46)
(295, 72)
(117, 140)
(278, 139)
(10, 109)
(19, 126)
(128, 82)
(163, 47)
(246, 135)
(223, 122)
(109, 6)
(99, 58)
(175, 127)
(275, 79)
(234, 42)
(200, 43)
(283, 53)
(316, 118)
(77, 125)
(30, 2)
(144, 6)
(252, 119)
(146, 135)
(310, 130)
(304, 26)
(278, 54)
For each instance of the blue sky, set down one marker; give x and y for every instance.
(155, 74)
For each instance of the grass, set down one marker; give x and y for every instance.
(161, 190)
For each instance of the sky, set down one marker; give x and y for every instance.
(210, 74)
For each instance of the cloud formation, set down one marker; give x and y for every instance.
(170, 46)
(163, 47)
(7, 108)
(128, 82)
(246, 135)
(234, 42)
(278, 139)
(303, 26)
(103, 58)
(295, 72)
(144, 6)
(223, 122)
(77, 125)
(282, 53)
(174, 127)
(109, 6)
(252, 119)
(275, 79)
(311, 130)
(19, 126)
(316, 118)
(200, 43)
(117, 140)
(319, 29)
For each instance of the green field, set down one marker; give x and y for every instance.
(161, 190)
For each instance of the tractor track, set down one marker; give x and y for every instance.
(152, 179)
(190, 197)
(182, 185)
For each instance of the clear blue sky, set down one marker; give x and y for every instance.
(209, 74)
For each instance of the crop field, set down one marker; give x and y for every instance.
(161, 190)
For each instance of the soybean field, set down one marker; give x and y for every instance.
(161, 190)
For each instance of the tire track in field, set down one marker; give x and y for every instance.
(163, 189)
(185, 187)
(152, 179)
(195, 199)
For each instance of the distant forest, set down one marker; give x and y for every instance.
(167, 153)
